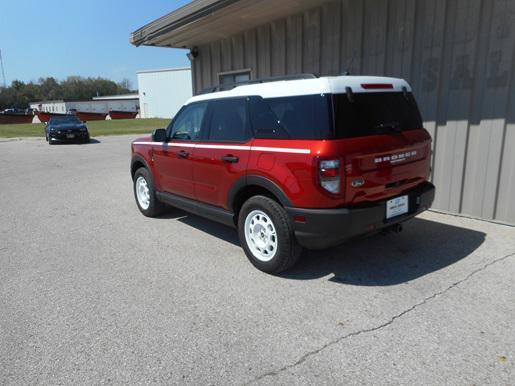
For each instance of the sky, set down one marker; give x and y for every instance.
(60, 38)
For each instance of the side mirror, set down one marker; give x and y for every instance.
(159, 135)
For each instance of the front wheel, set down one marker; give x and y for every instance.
(145, 194)
(267, 236)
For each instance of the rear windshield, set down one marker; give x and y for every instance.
(362, 114)
(325, 116)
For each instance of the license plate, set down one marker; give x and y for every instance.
(396, 206)
(70, 135)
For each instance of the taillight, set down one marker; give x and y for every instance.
(329, 172)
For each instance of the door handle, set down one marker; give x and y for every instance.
(229, 158)
(183, 154)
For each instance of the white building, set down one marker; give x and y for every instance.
(163, 92)
(103, 104)
(57, 106)
(122, 102)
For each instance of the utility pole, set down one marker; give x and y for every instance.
(3, 72)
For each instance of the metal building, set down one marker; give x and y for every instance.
(103, 104)
(163, 92)
(457, 54)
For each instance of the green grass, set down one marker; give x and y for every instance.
(96, 128)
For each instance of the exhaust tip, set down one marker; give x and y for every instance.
(396, 228)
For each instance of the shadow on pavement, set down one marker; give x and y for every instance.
(379, 260)
(211, 227)
(92, 141)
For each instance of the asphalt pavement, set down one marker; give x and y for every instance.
(91, 291)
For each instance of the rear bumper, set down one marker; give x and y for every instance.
(328, 227)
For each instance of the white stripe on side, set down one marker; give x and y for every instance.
(167, 143)
(281, 150)
(230, 147)
(226, 147)
(178, 144)
(147, 143)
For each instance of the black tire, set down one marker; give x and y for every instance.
(288, 250)
(155, 207)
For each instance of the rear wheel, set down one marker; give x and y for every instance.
(266, 235)
(145, 194)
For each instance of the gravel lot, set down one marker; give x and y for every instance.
(93, 292)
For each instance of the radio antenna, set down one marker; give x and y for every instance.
(346, 71)
(3, 71)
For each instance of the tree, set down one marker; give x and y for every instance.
(125, 84)
(73, 88)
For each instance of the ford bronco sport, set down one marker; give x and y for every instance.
(292, 164)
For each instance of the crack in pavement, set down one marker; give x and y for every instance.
(309, 354)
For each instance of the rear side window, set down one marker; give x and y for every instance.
(295, 117)
(362, 114)
(264, 121)
(229, 120)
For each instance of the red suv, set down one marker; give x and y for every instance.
(292, 163)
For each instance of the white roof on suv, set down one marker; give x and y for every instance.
(323, 85)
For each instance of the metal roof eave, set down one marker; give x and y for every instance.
(185, 15)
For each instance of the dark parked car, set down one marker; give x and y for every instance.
(66, 128)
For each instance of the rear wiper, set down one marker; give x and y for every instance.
(392, 126)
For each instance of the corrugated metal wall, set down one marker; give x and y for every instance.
(457, 54)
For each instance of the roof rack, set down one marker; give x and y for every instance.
(230, 86)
